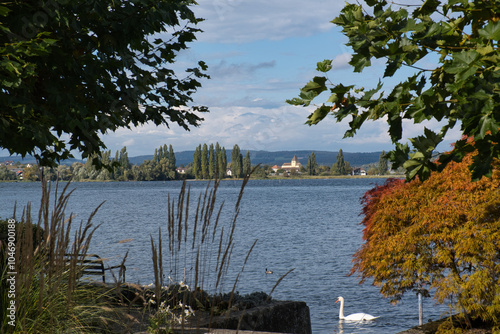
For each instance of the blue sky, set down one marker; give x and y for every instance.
(259, 54)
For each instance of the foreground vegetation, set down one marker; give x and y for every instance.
(113, 78)
(440, 235)
(51, 294)
(459, 89)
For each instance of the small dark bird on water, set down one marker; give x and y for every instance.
(268, 271)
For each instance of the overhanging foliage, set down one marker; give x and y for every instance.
(461, 90)
(442, 234)
(79, 69)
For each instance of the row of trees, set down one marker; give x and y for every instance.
(210, 162)
(162, 167)
(342, 167)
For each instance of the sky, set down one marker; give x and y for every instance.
(259, 54)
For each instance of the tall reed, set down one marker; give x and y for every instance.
(200, 245)
(47, 296)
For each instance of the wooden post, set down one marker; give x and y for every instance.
(420, 310)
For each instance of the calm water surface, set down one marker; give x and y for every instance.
(311, 226)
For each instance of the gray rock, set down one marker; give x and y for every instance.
(279, 317)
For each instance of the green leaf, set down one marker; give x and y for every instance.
(399, 155)
(392, 67)
(317, 85)
(463, 65)
(4, 11)
(324, 66)
(427, 8)
(395, 128)
(333, 98)
(296, 101)
(307, 97)
(359, 62)
(427, 143)
(491, 31)
(317, 115)
(488, 124)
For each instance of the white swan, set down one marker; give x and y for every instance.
(352, 317)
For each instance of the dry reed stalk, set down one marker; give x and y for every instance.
(242, 269)
(210, 247)
(230, 302)
(157, 272)
(45, 283)
(200, 238)
(278, 282)
(121, 278)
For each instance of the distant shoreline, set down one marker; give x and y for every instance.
(303, 177)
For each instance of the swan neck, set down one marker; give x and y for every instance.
(341, 311)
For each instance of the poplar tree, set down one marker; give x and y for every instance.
(166, 154)
(160, 154)
(197, 163)
(339, 168)
(171, 158)
(236, 162)
(312, 164)
(155, 156)
(247, 164)
(220, 169)
(204, 161)
(123, 164)
(211, 162)
(223, 166)
(383, 167)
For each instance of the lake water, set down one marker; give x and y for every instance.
(311, 226)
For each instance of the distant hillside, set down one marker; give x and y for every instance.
(31, 160)
(279, 157)
(257, 157)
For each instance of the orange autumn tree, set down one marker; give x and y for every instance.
(442, 234)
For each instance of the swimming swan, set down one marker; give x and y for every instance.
(352, 317)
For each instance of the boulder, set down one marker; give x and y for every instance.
(278, 316)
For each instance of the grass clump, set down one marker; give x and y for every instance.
(37, 277)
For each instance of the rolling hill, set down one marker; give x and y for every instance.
(257, 157)
(280, 157)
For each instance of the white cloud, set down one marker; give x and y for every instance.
(341, 61)
(239, 21)
(253, 128)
